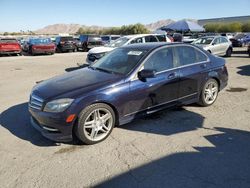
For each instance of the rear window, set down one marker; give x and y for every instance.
(40, 41)
(64, 39)
(8, 40)
(94, 38)
(106, 38)
(114, 38)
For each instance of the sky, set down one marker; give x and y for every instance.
(16, 15)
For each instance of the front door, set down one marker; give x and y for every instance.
(158, 91)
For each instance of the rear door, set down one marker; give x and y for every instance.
(193, 66)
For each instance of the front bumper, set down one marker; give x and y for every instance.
(51, 126)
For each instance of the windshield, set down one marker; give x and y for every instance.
(40, 41)
(206, 40)
(118, 43)
(120, 61)
(239, 36)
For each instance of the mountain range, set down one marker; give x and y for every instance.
(73, 28)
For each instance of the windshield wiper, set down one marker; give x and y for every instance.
(103, 70)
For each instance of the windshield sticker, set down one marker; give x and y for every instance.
(134, 53)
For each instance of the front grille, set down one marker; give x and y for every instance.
(36, 102)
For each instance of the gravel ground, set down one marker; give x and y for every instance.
(183, 147)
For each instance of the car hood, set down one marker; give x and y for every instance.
(202, 45)
(74, 83)
(101, 49)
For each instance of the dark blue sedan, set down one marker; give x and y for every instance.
(128, 82)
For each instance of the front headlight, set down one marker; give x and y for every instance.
(58, 105)
(100, 55)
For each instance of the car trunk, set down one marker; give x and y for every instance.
(8, 46)
(44, 46)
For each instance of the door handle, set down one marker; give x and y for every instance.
(203, 65)
(172, 75)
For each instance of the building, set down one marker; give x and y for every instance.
(240, 19)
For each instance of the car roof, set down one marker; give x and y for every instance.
(140, 35)
(150, 45)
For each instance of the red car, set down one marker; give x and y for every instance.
(10, 46)
(39, 46)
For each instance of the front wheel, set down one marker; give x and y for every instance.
(209, 93)
(229, 52)
(95, 123)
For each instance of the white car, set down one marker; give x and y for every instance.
(98, 52)
(216, 45)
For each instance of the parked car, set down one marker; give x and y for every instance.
(107, 39)
(228, 35)
(39, 46)
(98, 52)
(240, 39)
(10, 46)
(128, 82)
(191, 37)
(65, 44)
(87, 42)
(248, 49)
(216, 45)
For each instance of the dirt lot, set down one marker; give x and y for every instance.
(184, 147)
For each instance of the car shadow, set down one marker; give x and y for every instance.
(224, 163)
(75, 68)
(167, 122)
(16, 120)
(244, 70)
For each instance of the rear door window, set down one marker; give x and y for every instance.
(161, 38)
(187, 55)
(151, 39)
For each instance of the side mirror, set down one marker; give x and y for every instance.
(213, 43)
(146, 73)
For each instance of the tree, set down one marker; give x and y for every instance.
(124, 30)
(246, 27)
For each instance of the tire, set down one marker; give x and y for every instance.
(102, 117)
(209, 93)
(229, 52)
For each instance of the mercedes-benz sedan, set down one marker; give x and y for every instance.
(130, 81)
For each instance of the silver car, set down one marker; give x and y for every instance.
(217, 45)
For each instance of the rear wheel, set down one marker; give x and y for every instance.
(209, 93)
(95, 123)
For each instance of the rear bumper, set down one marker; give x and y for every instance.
(67, 48)
(11, 52)
(51, 126)
(43, 51)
